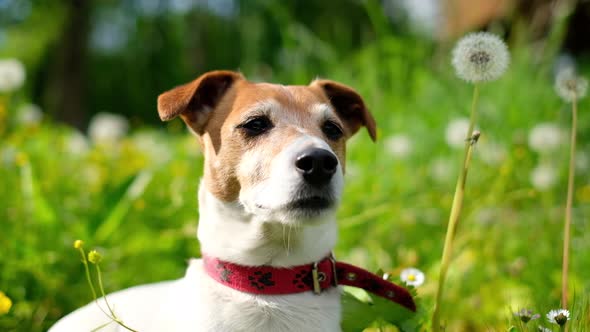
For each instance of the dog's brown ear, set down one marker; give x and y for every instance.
(349, 105)
(194, 101)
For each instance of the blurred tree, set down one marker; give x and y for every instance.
(67, 80)
(87, 56)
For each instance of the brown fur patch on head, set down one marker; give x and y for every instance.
(349, 105)
(293, 110)
(195, 100)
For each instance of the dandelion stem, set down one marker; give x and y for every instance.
(113, 315)
(102, 293)
(568, 206)
(89, 280)
(455, 213)
(87, 270)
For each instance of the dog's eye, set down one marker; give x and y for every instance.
(256, 126)
(332, 130)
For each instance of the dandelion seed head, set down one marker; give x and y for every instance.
(546, 137)
(487, 216)
(492, 153)
(543, 177)
(12, 75)
(399, 146)
(558, 316)
(76, 143)
(107, 127)
(480, 57)
(569, 86)
(456, 132)
(29, 115)
(582, 161)
(441, 170)
(149, 144)
(412, 276)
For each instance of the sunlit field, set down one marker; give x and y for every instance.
(128, 189)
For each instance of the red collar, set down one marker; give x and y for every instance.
(316, 277)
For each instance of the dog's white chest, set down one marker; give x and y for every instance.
(223, 309)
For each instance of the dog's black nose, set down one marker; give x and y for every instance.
(316, 165)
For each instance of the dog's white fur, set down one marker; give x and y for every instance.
(198, 303)
(258, 228)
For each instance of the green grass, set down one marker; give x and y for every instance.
(138, 205)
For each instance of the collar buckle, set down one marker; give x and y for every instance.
(316, 276)
(334, 271)
(319, 276)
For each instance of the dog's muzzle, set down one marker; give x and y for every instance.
(317, 166)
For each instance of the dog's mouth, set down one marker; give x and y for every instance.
(312, 203)
(306, 207)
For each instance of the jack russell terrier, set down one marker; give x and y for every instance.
(273, 177)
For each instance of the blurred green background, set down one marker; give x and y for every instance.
(83, 154)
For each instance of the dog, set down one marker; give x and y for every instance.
(273, 176)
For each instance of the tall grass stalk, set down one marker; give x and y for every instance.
(568, 206)
(455, 212)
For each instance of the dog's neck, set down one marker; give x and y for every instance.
(227, 232)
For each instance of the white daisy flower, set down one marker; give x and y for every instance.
(107, 127)
(546, 137)
(543, 177)
(526, 315)
(543, 329)
(570, 86)
(412, 276)
(29, 115)
(399, 145)
(558, 316)
(480, 57)
(456, 132)
(12, 75)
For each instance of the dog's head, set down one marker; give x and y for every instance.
(277, 150)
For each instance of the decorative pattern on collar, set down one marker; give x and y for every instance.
(316, 277)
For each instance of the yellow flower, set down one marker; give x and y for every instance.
(78, 244)
(94, 257)
(5, 303)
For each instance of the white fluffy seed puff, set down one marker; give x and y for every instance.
(570, 86)
(480, 57)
